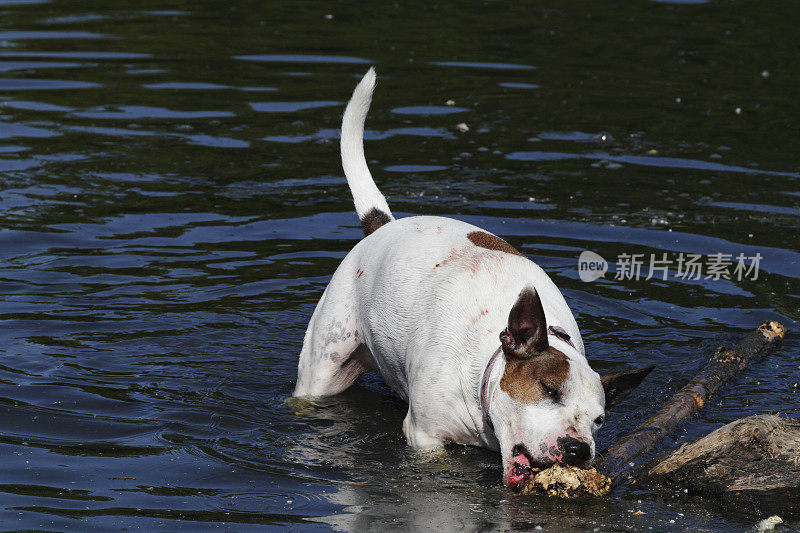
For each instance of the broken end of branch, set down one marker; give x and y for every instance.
(772, 330)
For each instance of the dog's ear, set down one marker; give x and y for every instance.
(526, 334)
(619, 384)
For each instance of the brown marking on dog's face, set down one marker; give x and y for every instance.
(374, 220)
(523, 377)
(491, 242)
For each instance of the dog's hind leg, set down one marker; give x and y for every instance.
(334, 354)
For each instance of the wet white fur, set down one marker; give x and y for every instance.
(422, 303)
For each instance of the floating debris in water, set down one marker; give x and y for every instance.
(605, 163)
(568, 482)
(462, 127)
(769, 524)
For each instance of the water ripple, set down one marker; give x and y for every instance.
(302, 58)
(29, 84)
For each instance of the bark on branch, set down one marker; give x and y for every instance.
(724, 364)
(751, 465)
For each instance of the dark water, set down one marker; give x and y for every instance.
(172, 206)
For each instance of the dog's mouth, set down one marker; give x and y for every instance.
(522, 467)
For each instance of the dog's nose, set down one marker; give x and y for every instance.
(576, 452)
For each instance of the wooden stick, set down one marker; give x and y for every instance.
(617, 461)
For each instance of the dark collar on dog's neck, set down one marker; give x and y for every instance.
(555, 331)
(487, 419)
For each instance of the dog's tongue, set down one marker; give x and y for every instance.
(520, 472)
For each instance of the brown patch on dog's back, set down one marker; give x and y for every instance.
(374, 220)
(522, 377)
(491, 242)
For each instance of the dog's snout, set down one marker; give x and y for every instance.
(576, 452)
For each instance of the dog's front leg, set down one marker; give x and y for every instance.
(416, 435)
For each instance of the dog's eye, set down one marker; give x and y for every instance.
(599, 420)
(554, 394)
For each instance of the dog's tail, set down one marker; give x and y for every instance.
(370, 204)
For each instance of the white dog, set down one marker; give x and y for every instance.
(423, 299)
